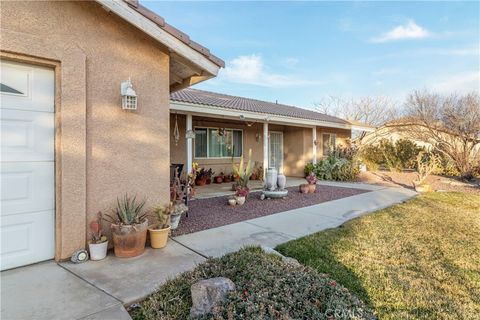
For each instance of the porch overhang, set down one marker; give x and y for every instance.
(227, 113)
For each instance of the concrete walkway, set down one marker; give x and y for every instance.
(99, 289)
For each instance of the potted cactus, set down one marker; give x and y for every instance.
(159, 232)
(176, 198)
(129, 227)
(98, 243)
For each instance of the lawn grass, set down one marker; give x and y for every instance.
(416, 260)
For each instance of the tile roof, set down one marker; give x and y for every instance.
(195, 96)
(159, 21)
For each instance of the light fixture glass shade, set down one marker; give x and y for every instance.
(129, 96)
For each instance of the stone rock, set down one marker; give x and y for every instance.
(288, 260)
(208, 293)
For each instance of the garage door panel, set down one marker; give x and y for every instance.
(26, 238)
(27, 164)
(27, 135)
(27, 87)
(27, 187)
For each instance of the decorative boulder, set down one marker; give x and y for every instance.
(207, 293)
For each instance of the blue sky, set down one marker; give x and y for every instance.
(300, 52)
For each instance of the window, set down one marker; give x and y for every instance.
(329, 143)
(210, 143)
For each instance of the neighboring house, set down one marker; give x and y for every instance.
(392, 134)
(280, 136)
(68, 148)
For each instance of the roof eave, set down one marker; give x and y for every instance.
(228, 113)
(123, 10)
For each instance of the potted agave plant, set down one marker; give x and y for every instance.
(129, 227)
(312, 182)
(98, 243)
(243, 173)
(159, 232)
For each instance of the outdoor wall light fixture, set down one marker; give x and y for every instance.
(315, 142)
(129, 96)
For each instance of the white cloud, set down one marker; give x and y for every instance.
(410, 30)
(251, 70)
(460, 82)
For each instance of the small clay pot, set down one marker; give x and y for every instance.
(218, 179)
(200, 182)
(303, 188)
(158, 237)
(311, 188)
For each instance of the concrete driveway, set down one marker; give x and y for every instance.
(100, 289)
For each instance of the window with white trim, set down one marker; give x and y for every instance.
(218, 143)
(329, 143)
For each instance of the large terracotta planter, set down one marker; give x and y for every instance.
(158, 237)
(129, 241)
(312, 188)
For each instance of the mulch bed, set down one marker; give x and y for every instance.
(215, 212)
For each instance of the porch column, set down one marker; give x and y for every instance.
(189, 144)
(314, 145)
(265, 149)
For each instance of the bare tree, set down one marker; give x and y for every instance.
(451, 124)
(374, 111)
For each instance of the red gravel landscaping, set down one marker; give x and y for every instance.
(215, 212)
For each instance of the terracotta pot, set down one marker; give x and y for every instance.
(303, 188)
(158, 237)
(227, 179)
(98, 251)
(311, 188)
(201, 182)
(129, 241)
(209, 180)
(218, 179)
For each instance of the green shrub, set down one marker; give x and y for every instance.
(395, 157)
(337, 168)
(309, 168)
(266, 288)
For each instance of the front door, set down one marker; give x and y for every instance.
(275, 151)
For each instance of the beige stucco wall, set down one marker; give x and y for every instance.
(297, 143)
(101, 151)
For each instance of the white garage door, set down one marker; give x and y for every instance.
(27, 164)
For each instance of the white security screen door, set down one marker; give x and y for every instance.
(27, 164)
(275, 151)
